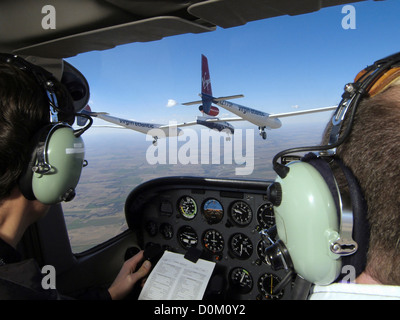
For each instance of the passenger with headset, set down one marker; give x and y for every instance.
(338, 208)
(41, 158)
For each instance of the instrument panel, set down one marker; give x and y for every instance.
(220, 220)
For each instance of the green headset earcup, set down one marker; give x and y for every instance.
(64, 152)
(307, 223)
(308, 217)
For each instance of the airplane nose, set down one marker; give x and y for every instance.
(278, 123)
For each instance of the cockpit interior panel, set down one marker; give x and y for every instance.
(216, 219)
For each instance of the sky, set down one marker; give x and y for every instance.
(280, 64)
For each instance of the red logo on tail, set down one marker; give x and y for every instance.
(205, 77)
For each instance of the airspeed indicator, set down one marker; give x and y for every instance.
(187, 207)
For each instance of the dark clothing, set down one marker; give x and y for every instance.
(22, 280)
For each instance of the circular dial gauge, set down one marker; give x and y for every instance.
(241, 246)
(266, 285)
(213, 211)
(265, 215)
(241, 213)
(241, 280)
(213, 241)
(187, 237)
(187, 207)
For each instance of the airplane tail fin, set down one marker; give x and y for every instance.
(205, 76)
(206, 90)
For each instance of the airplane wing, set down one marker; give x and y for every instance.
(297, 113)
(108, 126)
(224, 119)
(192, 103)
(183, 124)
(277, 115)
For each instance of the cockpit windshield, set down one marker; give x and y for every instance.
(280, 65)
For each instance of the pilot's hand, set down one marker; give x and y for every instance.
(127, 277)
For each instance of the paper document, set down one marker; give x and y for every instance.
(176, 278)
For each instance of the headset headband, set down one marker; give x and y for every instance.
(46, 81)
(42, 77)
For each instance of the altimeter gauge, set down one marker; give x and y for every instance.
(241, 213)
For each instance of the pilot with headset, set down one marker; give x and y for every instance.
(41, 162)
(338, 209)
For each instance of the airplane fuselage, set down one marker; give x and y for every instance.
(259, 118)
(218, 126)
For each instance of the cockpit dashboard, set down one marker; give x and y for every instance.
(217, 220)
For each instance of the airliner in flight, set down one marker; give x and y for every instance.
(168, 130)
(209, 117)
(259, 118)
